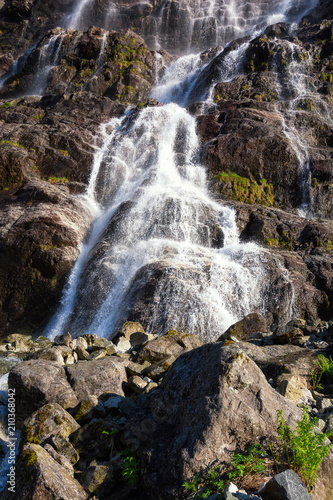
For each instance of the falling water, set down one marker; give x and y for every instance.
(148, 175)
(48, 58)
(296, 88)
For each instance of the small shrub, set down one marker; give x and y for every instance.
(206, 484)
(251, 463)
(303, 449)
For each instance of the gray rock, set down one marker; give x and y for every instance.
(212, 400)
(285, 486)
(93, 378)
(37, 382)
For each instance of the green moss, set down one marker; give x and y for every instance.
(11, 143)
(29, 457)
(326, 77)
(7, 105)
(57, 180)
(271, 242)
(64, 152)
(244, 190)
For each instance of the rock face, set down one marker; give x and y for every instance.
(202, 414)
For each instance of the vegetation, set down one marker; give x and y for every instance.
(131, 468)
(57, 180)
(244, 190)
(303, 449)
(323, 370)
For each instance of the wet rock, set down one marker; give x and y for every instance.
(285, 486)
(37, 382)
(93, 378)
(244, 328)
(40, 476)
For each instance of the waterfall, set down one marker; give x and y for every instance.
(298, 92)
(48, 58)
(156, 218)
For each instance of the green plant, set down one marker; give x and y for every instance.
(57, 180)
(7, 105)
(131, 468)
(251, 463)
(206, 484)
(324, 368)
(304, 448)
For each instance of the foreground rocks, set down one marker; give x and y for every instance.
(205, 402)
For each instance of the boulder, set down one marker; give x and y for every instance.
(49, 421)
(252, 323)
(172, 344)
(40, 477)
(285, 486)
(212, 401)
(37, 382)
(93, 378)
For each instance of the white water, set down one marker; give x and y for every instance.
(48, 58)
(167, 227)
(156, 226)
(296, 88)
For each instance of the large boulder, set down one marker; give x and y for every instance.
(38, 382)
(213, 400)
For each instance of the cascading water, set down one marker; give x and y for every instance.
(296, 89)
(149, 174)
(48, 57)
(157, 228)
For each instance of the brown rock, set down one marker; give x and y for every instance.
(252, 323)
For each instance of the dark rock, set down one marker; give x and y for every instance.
(41, 477)
(244, 328)
(285, 486)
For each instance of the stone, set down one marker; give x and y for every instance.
(137, 384)
(47, 478)
(50, 420)
(123, 345)
(63, 446)
(212, 400)
(98, 479)
(94, 440)
(63, 461)
(252, 323)
(129, 328)
(101, 353)
(65, 339)
(289, 391)
(37, 382)
(101, 343)
(93, 378)
(49, 353)
(88, 408)
(285, 486)
(172, 344)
